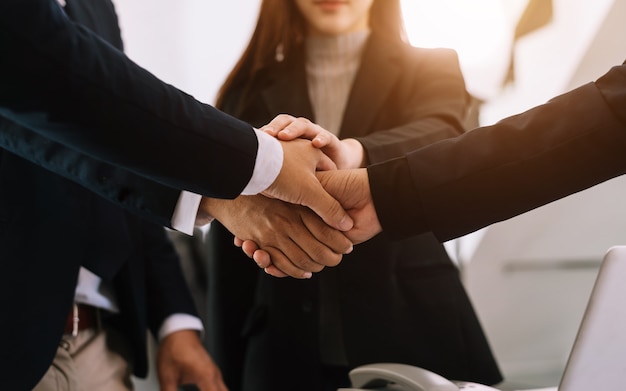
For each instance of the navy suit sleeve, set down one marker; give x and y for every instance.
(490, 174)
(146, 198)
(65, 83)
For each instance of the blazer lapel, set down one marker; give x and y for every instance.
(374, 80)
(369, 92)
(289, 93)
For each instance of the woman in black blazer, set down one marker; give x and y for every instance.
(399, 301)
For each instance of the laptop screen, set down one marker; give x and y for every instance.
(598, 358)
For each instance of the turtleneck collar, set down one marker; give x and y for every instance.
(339, 48)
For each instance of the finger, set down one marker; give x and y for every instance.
(277, 124)
(274, 272)
(329, 238)
(322, 255)
(295, 258)
(286, 265)
(300, 128)
(307, 234)
(325, 163)
(262, 258)
(322, 139)
(249, 247)
(327, 208)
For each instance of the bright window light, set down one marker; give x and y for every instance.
(479, 30)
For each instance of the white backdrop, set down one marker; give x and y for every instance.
(191, 44)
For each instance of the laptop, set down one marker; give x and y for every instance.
(597, 360)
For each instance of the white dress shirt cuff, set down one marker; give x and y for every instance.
(184, 217)
(269, 161)
(178, 322)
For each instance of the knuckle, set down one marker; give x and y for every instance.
(307, 264)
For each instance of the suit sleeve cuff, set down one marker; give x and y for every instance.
(396, 199)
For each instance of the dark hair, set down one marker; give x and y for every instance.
(281, 28)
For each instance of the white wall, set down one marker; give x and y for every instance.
(191, 44)
(546, 60)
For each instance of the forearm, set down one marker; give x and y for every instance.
(149, 199)
(389, 144)
(62, 81)
(493, 173)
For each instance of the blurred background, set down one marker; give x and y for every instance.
(529, 277)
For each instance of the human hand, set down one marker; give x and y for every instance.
(351, 188)
(262, 258)
(298, 241)
(296, 183)
(183, 360)
(347, 153)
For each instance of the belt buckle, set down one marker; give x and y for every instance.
(75, 320)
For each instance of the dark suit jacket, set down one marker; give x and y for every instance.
(397, 301)
(66, 84)
(490, 174)
(50, 226)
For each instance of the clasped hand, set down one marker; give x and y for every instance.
(300, 242)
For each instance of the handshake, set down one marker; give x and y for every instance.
(317, 208)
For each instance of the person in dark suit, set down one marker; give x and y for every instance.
(574, 141)
(106, 123)
(83, 280)
(388, 301)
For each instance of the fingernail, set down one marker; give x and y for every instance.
(348, 251)
(307, 275)
(268, 129)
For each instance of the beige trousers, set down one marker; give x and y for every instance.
(91, 361)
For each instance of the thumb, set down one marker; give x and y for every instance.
(327, 208)
(325, 163)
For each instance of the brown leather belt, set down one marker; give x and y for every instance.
(81, 317)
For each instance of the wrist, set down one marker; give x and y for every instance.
(209, 210)
(354, 152)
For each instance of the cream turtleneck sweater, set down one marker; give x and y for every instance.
(331, 65)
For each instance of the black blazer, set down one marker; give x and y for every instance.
(64, 83)
(398, 301)
(490, 174)
(50, 226)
